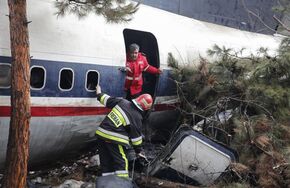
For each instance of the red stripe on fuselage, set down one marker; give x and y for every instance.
(5, 111)
(59, 111)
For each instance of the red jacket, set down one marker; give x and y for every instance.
(134, 71)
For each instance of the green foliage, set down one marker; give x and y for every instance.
(272, 71)
(244, 133)
(172, 62)
(281, 138)
(257, 89)
(259, 83)
(273, 98)
(284, 49)
(114, 11)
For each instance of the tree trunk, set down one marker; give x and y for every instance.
(18, 143)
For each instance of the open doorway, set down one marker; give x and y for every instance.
(148, 46)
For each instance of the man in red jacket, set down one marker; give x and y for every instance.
(136, 63)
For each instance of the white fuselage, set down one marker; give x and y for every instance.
(64, 120)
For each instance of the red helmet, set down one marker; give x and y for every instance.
(143, 102)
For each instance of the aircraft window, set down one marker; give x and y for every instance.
(5, 75)
(66, 79)
(37, 78)
(92, 80)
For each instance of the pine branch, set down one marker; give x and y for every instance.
(114, 11)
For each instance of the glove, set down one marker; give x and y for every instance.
(122, 69)
(142, 159)
(142, 156)
(98, 89)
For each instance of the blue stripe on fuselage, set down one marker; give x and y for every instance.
(111, 80)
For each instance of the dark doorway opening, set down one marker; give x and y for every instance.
(148, 46)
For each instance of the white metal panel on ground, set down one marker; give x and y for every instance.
(193, 158)
(199, 160)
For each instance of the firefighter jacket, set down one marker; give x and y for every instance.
(134, 69)
(123, 124)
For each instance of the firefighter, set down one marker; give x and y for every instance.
(120, 130)
(136, 63)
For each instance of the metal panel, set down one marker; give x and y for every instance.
(198, 160)
(193, 158)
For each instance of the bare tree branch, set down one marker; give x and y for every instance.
(282, 24)
(257, 16)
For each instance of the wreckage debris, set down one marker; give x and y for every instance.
(191, 157)
(188, 159)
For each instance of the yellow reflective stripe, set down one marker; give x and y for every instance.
(124, 157)
(113, 133)
(136, 143)
(123, 175)
(104, 99)
(114, 117)
(110, 137)
(136, 139)
(120, 116)
(126, 119)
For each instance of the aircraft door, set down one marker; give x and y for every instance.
(148, 46)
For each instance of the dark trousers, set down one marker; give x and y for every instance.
(113, 159)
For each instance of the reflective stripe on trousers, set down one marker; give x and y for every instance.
(113, 159)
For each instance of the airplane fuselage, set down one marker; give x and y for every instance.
(70, 56)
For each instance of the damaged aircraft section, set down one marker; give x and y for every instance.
(186, 157)
(191, 157)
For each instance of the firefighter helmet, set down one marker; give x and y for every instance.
(143, 102)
